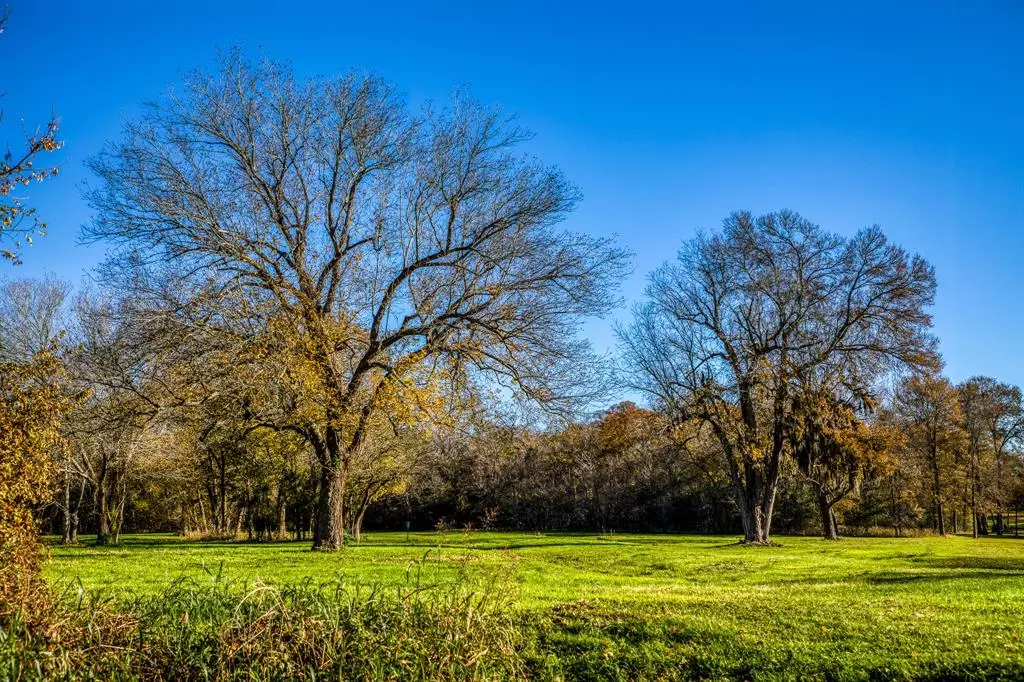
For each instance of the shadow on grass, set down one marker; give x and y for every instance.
(897, 577)
(1005, 564)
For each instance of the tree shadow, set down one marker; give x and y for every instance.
(1005, 564)
(903, 577)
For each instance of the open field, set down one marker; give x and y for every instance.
(627, 606)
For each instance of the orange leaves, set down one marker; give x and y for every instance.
(49, 144)
(626, 424)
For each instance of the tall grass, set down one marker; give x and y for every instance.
(219, 630)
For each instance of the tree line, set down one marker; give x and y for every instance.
(325, 311)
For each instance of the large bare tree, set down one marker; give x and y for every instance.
(745, 317)
(370, 247)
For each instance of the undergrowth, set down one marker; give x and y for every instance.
(219, 630)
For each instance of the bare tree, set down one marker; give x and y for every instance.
(372, 248)
(32, 317)
(109, 365)
(745, 316)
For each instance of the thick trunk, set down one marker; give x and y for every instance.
(940, 514)
(756, 503)
(755, 530)
(755, 497)
(828, 522)
(330, 521)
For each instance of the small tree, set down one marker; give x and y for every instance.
(993, 419)
(930, 412)
(835, 448)
(33, 404)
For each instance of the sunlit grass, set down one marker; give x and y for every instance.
(623, 606)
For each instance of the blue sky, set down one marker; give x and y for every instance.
(668, 116)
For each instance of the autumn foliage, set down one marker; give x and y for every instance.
(33, 404)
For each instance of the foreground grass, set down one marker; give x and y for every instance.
(643, 607)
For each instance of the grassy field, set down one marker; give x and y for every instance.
(637, 606)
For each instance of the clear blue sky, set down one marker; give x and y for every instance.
(670, 116)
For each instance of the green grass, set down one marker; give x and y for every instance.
(646, 606)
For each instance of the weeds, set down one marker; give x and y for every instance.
(218, 630)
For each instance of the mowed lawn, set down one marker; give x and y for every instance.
(914, 607)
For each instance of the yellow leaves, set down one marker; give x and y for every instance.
(321, 369)
(33, 405)
(411, 391)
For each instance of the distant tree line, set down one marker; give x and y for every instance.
(324, 312)
(929, 456)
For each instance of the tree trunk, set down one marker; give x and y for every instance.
(974, 498)
(223, 494)
(103, 531)
(239, 519)
(65, 537)
(895, 510)
(937, 490)
(282, 522)
(73, 534)
(330, 521)
(357, 527)
(756, 503)
(828, 523)
(75, 514)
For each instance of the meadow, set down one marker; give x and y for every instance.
(653, 606)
